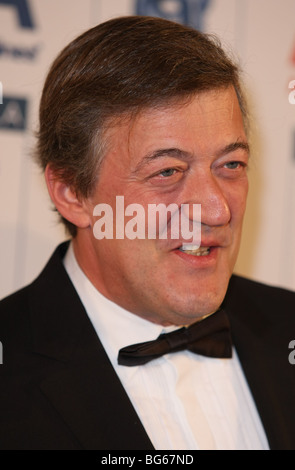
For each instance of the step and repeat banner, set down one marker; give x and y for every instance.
(262, 36)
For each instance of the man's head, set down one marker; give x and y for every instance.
(117, 68)
(153, 111)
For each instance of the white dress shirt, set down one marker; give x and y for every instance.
(185, 401)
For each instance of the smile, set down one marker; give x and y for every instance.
(195, 250)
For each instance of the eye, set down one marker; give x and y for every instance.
(167, 176)
(167, 172)
(234, 165)
(233, 169)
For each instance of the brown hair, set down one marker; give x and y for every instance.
(118, 67)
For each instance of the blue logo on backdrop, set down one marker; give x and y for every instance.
(189, 12)
(25, 19)
(13, 113)
(23, 12)
(19, 52)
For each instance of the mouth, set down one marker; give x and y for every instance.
(195, 250)
(198, 257)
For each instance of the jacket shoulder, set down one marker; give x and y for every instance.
(256, 302)
(15, 309)
(13, 313)
(259, 292)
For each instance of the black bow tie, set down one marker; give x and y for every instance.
(208, 337)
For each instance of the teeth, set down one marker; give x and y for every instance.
(190, 247)
(195, 250)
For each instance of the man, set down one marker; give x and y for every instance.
(152, 113)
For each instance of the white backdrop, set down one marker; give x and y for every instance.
(262, 35)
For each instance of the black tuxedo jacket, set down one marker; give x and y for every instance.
(58, 389)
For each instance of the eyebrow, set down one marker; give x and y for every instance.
(232, 147)
(183, 155)
(169, 152)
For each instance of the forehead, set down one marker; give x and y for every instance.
(197, 125)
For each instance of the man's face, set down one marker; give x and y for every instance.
(195, 153)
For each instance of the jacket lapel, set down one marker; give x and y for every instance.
(82, 386)
(262, 345)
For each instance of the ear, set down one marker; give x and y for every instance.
(65, 200)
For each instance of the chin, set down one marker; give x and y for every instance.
(191, 307)
(187, 310)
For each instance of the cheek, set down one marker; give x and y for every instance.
(237, 198)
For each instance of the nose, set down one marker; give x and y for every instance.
(205, 189)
